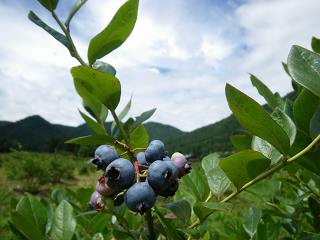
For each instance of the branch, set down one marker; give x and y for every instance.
(264, 175)
(149, 220)
(73, 51)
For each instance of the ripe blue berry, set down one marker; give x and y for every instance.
(120, 174)
(170, 190)
(103, 156)
(141, 158)
(155, 151)
(161, 174)
(140, 197)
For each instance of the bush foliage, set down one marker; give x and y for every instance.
(269, 188)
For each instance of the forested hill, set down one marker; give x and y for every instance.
(37, 134)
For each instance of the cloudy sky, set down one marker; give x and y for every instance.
(178, 58)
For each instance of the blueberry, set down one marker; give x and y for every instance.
(103, 156)
(173, 168)
(170, 190)
(96, 201)
(103, 188)
(182, 164)
(140, 197)
(120, 174)
(161, 174)
(155, 151)
(141, 158)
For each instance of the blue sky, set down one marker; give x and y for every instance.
(178, 58)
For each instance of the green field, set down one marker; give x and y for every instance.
(283, 197)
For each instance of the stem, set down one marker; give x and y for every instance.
(149, 220)
(264, 175)
(73, 51)
(119, 124)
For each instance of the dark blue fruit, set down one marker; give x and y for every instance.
(173, 168)
(141, 158)
(155, 151)
(161, 174)
(140, 197)
(170, 190)
(103, 156)
(120, 174)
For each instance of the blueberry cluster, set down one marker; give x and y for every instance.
(137, 183)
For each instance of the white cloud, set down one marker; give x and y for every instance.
(178, 58)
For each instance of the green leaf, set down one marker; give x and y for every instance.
(210, 162)
(305, 69)
(310, 161)
(205, 209)
(303, 109)
(219, 206)
(255, 119)
(269, 151)
(122, 114)
(314, 206)
(75, 8)
(139, 137)
(241, 142)
(64, 223)
(251, 221)
(105, 87)
(286, 123)
(99, 222)
(217, 179)
(242, 167)
(116, 33)
(92, 105)
(181, 209)
(54, 33)
(196, 181)
(172, 233)
(30, 218)
(268, 229)
(49, 4)
(201, 211)
(92, 140)
(142, 118)
(96, 127)
(315, 44)
(104, 67)
(285, 67)
(272, 99)
(315, 124)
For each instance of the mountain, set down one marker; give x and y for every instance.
(211, 138)
(36, 134)
(164, 132)
(3, 123)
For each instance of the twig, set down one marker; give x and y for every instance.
(149, 220)
(73, 51)
(264, 175)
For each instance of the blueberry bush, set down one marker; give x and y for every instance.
(269, 188)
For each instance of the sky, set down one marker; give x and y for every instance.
(178, 58)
